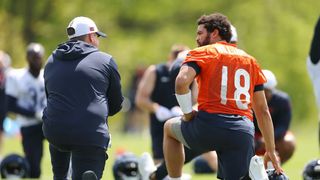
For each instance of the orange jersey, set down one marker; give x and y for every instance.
(227, 79)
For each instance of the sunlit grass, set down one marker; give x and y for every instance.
(307, 149)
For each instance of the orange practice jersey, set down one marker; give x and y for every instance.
(227, 79)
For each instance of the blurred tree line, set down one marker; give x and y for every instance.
(141, 32)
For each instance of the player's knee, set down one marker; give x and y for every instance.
(290, 148)
(167, 127)
(286, 150)
(289, 144)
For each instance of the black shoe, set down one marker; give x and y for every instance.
(89, 175)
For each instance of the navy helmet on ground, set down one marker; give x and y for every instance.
(201, 166)
(272, 175)
(89, 175)
(14, 166)
(125, 167)
(312, 170)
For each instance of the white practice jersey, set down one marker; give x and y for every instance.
(29, 92)
(314, 72)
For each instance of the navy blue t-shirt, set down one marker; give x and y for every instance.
(280, 111)
(163, 92)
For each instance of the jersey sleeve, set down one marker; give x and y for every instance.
(12, 84)
(200, 56)
(260, 79)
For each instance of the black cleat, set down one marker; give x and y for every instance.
(89, 175)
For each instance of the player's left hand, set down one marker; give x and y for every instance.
(273, 157)
(189, 116)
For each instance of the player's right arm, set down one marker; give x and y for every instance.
(145, 89)
(195, 92)
(12, 97)
(264, 120)
(144, 92)
(184, 79)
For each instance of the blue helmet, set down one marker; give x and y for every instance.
(272, 175)
(312, 170)
(14, 166)
(125, 167)
(201, 166)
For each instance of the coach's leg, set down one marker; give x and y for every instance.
(173, 148)
(86, 158)
(60, 163)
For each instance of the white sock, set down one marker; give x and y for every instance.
(178, 178)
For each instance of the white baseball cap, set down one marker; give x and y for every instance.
(234, 34)
(182, 55)
(271, 79)
(35, 48)
(81, 26)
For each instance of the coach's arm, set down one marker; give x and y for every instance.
(114, 93)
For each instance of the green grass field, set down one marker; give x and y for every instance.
(306, 136)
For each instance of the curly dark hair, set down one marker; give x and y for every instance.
(217, 21)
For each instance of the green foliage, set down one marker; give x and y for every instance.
(141, 32)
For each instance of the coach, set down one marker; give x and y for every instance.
(83, 88)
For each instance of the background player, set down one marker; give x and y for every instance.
(311, 170)
(5, 62)
(313, 65)
(26, 98)
(155, 94)
(279, 105)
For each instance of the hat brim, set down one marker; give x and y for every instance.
(101, 34)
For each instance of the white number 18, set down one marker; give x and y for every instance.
(240, 90)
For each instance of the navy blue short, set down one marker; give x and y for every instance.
(230, 136)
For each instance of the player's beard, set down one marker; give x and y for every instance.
(205, 42)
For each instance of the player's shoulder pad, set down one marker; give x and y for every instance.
(199, 49)
(16, 72)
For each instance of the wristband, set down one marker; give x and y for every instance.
(185, 102)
